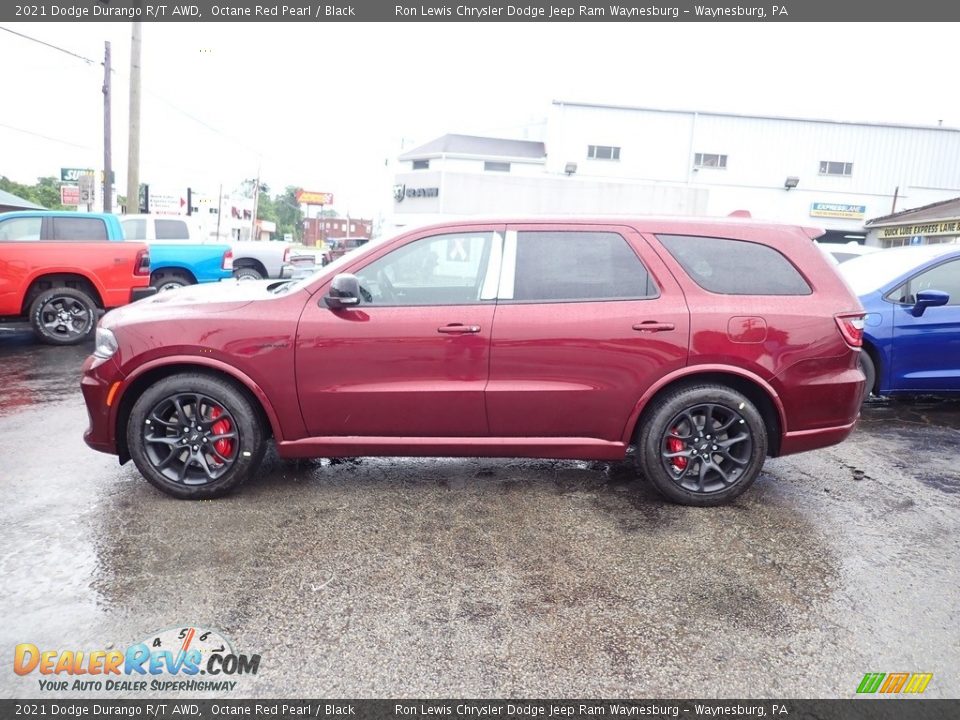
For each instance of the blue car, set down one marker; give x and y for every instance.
(911, 338)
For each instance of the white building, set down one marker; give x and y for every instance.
(603, 159)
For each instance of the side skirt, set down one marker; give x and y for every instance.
(560, 448)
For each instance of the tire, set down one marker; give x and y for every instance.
(694, 473)
(247, 273)
(164, 280)
(63, 316)
(204, 467)
(869, 369)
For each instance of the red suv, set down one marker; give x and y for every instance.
(708, 345)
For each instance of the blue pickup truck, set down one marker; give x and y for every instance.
(172, 265)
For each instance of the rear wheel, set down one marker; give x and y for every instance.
(169, 280)
(63, 316)
(247, 273)
(869, 369)
(194, 436)
(702, 445)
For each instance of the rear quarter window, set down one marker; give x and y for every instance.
(735, 267)
(79, 228)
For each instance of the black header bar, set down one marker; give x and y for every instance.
(487, 11)
(179, 709)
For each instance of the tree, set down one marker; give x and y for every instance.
(45, 192)
(289, 215)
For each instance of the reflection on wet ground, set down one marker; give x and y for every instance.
(33, 374)
(467, 577)
(922, 427)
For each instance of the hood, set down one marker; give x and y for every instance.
(218, 297)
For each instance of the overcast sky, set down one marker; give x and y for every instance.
(325, 106)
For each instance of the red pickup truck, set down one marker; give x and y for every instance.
(57, 275)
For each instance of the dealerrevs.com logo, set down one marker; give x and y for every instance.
(179, 659)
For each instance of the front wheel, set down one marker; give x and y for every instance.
(702, 445)
(195, 436)
(63, 316)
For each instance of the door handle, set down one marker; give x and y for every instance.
(653, 326)
(458, 329)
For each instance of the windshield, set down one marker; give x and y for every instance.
(867, 273)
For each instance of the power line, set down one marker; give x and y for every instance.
(162, 99)
(50, 45)
(46, 137)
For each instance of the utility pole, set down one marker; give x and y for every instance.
(256, 202)
(133, 149)
(107, 142)
(219, 212)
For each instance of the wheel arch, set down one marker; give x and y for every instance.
(178, 269)
(150, 373)
(250, 262)
(755, 388)
(47, 281)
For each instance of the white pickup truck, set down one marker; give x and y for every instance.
(252, 259)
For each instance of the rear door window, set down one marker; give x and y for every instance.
(171, 230)
(577, 266)
(81, 229)
(735, 267)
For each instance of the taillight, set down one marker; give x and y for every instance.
(286, 255)
(851, 327)
(142, 264)
(228, 260)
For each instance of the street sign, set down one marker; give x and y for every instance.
(74, 174)
(70, 195)
(163, 203)
(87, 189)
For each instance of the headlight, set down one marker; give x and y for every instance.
(106, 344)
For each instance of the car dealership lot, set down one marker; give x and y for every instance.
(476, 578)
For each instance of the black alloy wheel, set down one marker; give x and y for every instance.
(706, 448)
(195, 435)
(190, 438)
(702, 445)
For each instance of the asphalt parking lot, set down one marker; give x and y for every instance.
(489, 578)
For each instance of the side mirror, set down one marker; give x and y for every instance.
(344, 292)
(927, 299)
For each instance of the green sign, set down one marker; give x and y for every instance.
(73, 174)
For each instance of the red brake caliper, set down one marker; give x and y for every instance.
(676, 445)
(224, 446)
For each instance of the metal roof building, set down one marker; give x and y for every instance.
(612, 159)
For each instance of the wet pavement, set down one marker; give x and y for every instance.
(488, 578)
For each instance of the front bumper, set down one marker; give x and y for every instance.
(98, 377)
